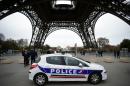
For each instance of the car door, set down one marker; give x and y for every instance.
(57, 68)
(78, 69)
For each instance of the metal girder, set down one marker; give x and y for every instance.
(117, 8)
(74, 29)
(63, 24)
(56, 25)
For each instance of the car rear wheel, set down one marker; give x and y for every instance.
(95, 78)
(40, 79)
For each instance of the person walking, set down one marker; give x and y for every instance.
(25, 54)
(115, 53)
(118, 54)
(97, 53)
(101, 53)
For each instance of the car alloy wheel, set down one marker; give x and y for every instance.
(40, 79)
(95, 78)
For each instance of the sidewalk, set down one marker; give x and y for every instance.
(17, 58)
(92, 58)
(106, 59)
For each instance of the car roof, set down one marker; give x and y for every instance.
(56, 54)
(43, 57)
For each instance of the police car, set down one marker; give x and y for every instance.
(58, 67)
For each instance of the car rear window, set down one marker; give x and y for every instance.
(58, 60)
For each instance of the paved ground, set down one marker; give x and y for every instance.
(15, 74)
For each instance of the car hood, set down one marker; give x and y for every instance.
(96, 66)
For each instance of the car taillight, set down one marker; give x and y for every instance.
(33, 66)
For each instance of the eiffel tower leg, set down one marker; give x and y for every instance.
(43, 35)
(34, 35)
(84, 37)
(92, 37)
(88, 36)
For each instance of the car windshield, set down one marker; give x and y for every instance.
(83, 60)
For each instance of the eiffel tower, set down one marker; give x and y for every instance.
(80, 16)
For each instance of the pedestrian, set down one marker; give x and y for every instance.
(25, 54)
(118, 54)
(84, 53)
(115, 53)
(33, 55)
(101, 53)
(96, 53)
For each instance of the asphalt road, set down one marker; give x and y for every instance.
(16, 74)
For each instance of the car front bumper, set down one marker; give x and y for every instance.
(104, 75)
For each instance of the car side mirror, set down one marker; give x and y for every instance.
(80, 65)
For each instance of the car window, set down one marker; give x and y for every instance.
(74, 62)
(58, 60)
(84, 65)
(71, 61)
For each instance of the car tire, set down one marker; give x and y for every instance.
(95, 78)
(40, 79)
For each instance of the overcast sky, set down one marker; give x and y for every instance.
(17, 26)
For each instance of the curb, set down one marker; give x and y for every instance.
(20, 61)
(108, 60)
(6, 62)
(124, 60)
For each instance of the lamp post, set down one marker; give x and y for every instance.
(76, 49)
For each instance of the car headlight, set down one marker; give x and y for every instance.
(105, 71)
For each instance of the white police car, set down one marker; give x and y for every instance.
(58, 67)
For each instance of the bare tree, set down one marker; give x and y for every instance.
(2, 37)
(102, 42)
(22, 42)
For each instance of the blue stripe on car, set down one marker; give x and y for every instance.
(66, 71)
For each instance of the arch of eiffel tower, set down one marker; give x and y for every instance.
(80, 16)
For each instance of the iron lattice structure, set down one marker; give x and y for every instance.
(81, 20)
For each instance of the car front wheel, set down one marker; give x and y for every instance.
(95, 78)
